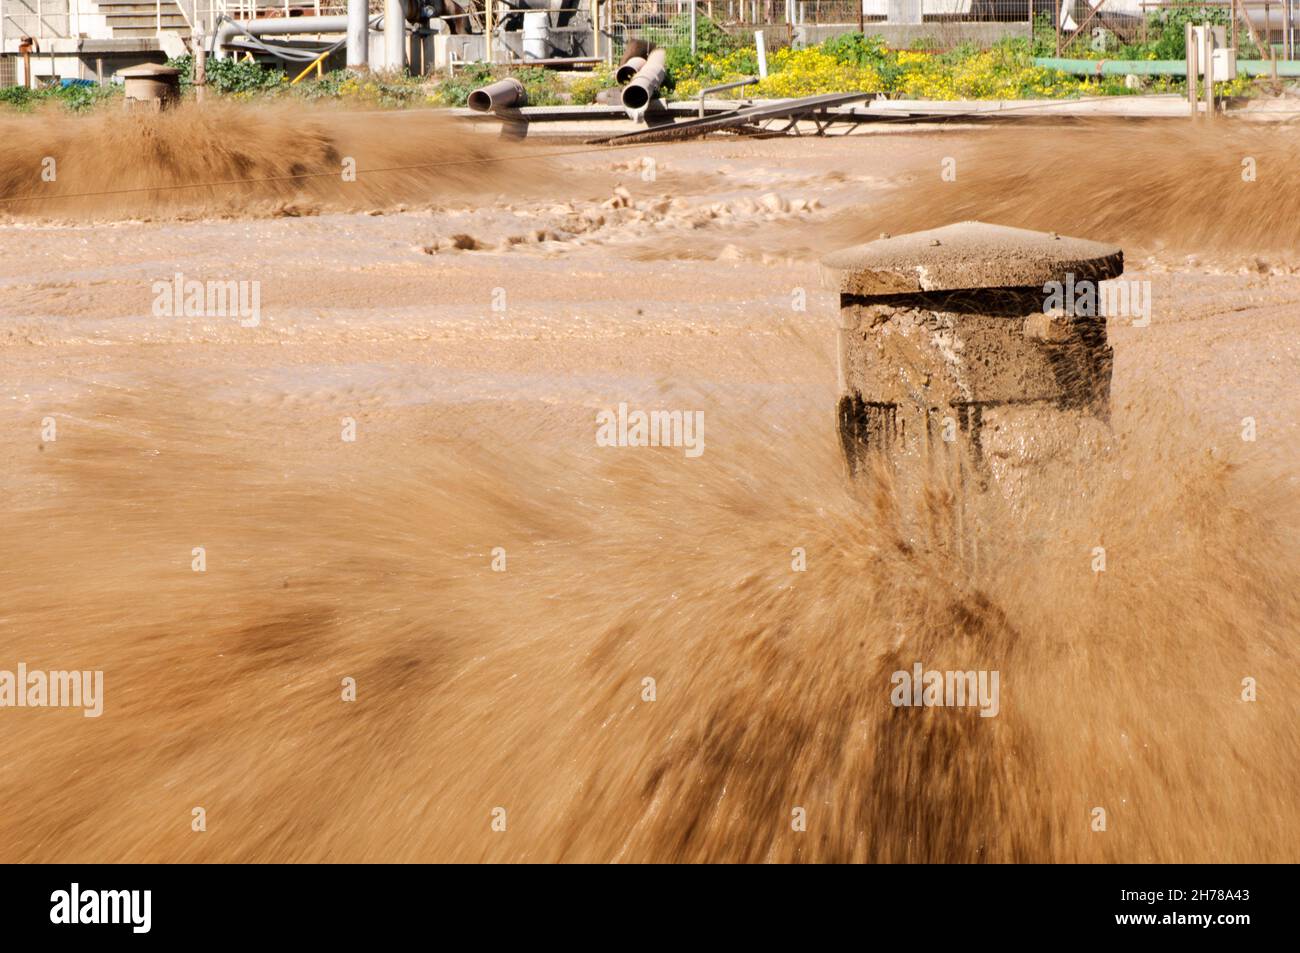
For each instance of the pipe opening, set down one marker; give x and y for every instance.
(629, 70)
(635, 97)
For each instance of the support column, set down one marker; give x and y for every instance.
(358, 36)
(395, 35)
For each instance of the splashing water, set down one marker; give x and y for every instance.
(526, 689)
(1176, 186)
(266, 160)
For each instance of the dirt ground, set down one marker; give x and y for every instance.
(471, 333)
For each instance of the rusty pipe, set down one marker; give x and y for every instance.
(25, 48)
(503, 94)
(644, 86)
(629, 69)
(638, 48)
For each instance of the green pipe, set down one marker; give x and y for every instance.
(1160, 67)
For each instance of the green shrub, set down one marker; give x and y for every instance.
(75, 97)
(231, 75)
(583, 90)
(854, 49)
(539, 83)
(20, 97)
(455, 90)
(711, 38)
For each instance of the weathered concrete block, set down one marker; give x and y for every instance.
(151, 87)
(944, 330)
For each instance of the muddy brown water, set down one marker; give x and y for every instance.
(526, 689)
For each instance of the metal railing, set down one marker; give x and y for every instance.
(45, 20)
(660, 14)
(944, 23)
(207, 11)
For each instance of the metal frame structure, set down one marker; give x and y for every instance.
(758, 120)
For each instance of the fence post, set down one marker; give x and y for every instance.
(200, 64)
(1268, 33)
(1209, 71)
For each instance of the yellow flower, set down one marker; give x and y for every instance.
(810, 71)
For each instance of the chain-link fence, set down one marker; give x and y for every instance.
(659, 14)
(931, 24)
(927, 23)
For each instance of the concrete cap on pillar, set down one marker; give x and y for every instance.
(152, 72)
(967, 255)
(152, 81)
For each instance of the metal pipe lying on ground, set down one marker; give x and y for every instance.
(629, 69)
(503, 94)
(644, 86)
(636, 48)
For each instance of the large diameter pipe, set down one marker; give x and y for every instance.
(503, 94)
(644, 86)
(629, 69)
(229, 29)
(358, 35)
(395, 35)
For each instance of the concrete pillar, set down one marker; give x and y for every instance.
(358, 40)
(151, 87)
(395, 35)
(953, 348)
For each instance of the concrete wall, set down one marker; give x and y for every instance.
(901, 36)
(19, 18)
(561, 41)
(67, 62)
